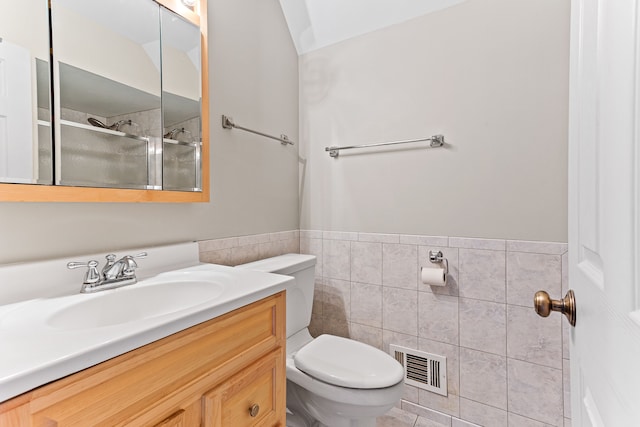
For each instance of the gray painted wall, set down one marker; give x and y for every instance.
(253, 77)
(492, 76)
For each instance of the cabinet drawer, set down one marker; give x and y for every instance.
(255, 397)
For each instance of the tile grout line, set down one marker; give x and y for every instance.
(562, 335)
(322, 282)
(506, 332)
(385, 348)
(417, 259)
(459, 346)
(351, 248)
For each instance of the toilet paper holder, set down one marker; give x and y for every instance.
(437, 257)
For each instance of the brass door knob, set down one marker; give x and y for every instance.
(253, 411)
(545, 305)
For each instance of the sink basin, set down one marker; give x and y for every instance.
(134, 303)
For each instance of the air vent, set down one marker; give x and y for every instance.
(423, 370)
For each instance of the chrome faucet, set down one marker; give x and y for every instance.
(113, 275)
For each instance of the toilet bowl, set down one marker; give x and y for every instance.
(331, 381)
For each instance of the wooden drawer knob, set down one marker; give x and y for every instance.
(253, 411)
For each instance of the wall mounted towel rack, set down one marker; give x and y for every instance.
(436, 141)
(227, 123)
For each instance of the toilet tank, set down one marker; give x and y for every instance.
(300, 292)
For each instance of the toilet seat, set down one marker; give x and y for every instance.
(347, 363)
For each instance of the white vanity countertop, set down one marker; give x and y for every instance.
(36, 350)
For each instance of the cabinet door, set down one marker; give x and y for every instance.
(254, 397)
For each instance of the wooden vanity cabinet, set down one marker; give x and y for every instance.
(229, 371)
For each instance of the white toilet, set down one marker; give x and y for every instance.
(331, 381)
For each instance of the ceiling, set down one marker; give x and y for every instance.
(318, 23)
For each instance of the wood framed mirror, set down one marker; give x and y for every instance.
(178, 140)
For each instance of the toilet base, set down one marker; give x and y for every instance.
(305, 409)
(294, 420)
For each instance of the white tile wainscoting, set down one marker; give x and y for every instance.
(505, 365)
(242, 249)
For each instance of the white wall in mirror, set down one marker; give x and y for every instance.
(14, 29)
(16, 114)
(118, 45)
(181, 58)
(25, 142)
(318, 23)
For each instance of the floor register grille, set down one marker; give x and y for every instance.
(423, 370)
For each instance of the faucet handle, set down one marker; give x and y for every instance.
(111, 259)
(130, 264)
(92, 276)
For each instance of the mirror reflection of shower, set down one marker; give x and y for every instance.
(115, 126)
(175, 132)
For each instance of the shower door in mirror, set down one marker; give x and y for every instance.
(106, 59)
(25, 114)
(181, 103)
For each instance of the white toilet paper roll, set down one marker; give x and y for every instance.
(433, 276)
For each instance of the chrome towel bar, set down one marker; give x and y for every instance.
(227, 123)
(436, 141)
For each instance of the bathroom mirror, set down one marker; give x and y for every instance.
(109, 88)
(181, 99)
(25, 114)
(109, 142)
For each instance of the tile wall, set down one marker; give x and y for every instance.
(240, 250)
(505, 365)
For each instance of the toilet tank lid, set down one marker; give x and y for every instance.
(348, 363)
(283, 264)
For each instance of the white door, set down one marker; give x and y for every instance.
(16, 114)
(604, 212)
